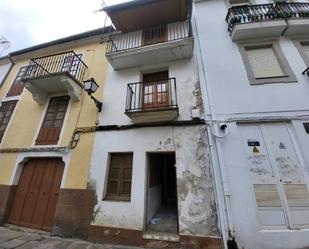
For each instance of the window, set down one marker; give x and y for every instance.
(53, 120)
(265, 63)
(71, 64)
(156, 90)
(6, 111)
(120, 177)
(303, 49)
(18, 85)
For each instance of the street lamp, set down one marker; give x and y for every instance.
(90, 86)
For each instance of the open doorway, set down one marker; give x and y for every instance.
(162, 214)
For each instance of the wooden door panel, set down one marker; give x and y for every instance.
(45, 189)
(53, 196)
(32, 195)
(37, 193)
(21, 192)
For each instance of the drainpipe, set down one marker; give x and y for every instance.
(219, 168)
(7, 73)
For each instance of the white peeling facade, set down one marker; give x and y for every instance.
(150, 167)
(252, 66)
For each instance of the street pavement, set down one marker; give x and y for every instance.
(12, 237)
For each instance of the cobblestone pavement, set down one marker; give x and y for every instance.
(13, 237)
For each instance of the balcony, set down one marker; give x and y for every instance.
(54, 74)
(268, 20)
(156, 44)
(152, 101)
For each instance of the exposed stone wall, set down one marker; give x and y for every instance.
(196, 201)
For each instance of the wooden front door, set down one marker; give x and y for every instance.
(155, 90)
(154, 35)
(37, 193)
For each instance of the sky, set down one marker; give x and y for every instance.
(25, 23)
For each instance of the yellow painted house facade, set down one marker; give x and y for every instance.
(47, 118)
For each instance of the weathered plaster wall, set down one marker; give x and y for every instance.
(197, 211)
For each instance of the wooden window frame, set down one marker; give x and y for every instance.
(18, 85)
(3, 105)
(155, 85)
(119, 196)
(39, 140)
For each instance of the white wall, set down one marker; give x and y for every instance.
(115, 89)
(154, 201)
(233, 98)
(226, 73)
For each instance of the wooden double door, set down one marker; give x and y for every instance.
(37, 193)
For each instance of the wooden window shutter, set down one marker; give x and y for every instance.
(18, 84)
(120, 177)
(264, 63)
(53, 120)
(6, 111)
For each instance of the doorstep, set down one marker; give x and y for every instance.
(161, 236)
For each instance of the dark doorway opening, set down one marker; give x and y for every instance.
(162, 212)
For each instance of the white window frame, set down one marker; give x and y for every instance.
(288, 77)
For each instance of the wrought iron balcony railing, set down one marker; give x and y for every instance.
(68, 63)
(151, 96)
(149, 36)
(306, 71)
(262, 12)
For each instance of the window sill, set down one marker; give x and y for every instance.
(270, 80)
(117, 199)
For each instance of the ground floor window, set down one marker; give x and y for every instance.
(119, 177)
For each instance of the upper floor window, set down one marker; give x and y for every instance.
(265, 63)
(119, 177)
(71, 64)
(156, 90)
(305, 47)
(18, 84)
(53, 120)
(6, 111)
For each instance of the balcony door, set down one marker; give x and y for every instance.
(156, 90)
(154, 35)
(71, 64)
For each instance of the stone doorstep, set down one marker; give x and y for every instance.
(161, 236)
(26, 230)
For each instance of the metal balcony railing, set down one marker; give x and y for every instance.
(151, 96)
(262, 12)
(67, 62)
(149, 36)
(306, 71)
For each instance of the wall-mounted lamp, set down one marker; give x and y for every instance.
(90, 87)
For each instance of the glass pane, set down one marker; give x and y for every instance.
(58, 123)
(1, 114)
(5, 120)
(60, 115)
(8, 114)
(2, 127)
(47, 124)
(49, 116)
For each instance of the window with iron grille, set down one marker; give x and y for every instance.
(6, 111)
(53, 120)
(119, 177)
(18, 84)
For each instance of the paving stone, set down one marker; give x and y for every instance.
(12, 243)
(29, 245)
(79, 245)
(8, 235)
(31, 237)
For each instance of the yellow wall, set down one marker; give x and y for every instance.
(27, 117)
